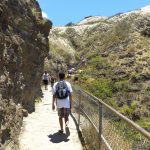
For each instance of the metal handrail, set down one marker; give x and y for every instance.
(130, 122)
(101, 104)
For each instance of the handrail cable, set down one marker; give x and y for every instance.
(97, 130)
(134, 125)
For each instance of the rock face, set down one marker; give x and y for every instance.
(23, 47)
(116, 49)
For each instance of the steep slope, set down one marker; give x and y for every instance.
(23, 47)
(113, 54)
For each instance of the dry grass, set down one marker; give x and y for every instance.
(115, 140)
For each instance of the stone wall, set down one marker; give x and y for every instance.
(23, 48)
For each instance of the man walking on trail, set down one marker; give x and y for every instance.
(62, 97)
(45, 79)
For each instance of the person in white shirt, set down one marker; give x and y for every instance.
(62, 98)
(45, 79)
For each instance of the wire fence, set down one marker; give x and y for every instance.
(104, 128)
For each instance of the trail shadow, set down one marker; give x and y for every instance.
(80, 135)
(57, 137)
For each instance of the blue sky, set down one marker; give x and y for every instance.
(60, 12)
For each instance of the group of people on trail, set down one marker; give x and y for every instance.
(47, 78)
(62, 99)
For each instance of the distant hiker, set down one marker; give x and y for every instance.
(62, 97)
(52, 81)
(45, 79)
(75, 79)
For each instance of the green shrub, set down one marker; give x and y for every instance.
(126, 110)
(121, 85)
(112, 102)
(101, 88)
(134, 105)
(144, 122)
(98, 63)
(122, 30)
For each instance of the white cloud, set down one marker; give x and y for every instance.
(44, 15)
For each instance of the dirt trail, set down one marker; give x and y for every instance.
(39, 131)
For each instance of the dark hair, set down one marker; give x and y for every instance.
(61, 75)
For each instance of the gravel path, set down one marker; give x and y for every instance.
(39, 131)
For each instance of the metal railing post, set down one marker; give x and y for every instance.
(79, 108)
(100, 125)
(100, 106)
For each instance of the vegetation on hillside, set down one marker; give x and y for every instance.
(113, 60)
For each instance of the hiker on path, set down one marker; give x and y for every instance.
(45, 79)
(62, 97)
(52, 81)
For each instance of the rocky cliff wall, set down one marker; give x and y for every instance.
(23, 47)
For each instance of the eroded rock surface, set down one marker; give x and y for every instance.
(23, 47)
